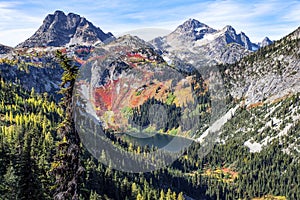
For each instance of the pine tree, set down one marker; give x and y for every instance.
(10, 183)
(174, 196)
(162, 195)
(29, 186)
(139, 197)
(169, 195)
(95, 196)
(134, 189)
(180, 196)
(67, 165)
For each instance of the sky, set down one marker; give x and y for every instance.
(19, 19)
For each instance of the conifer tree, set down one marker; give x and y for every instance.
(29, 186)
(67, 165)
(180, 196)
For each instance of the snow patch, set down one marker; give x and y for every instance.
(217, 125)
(254, 147)
(254, 48)
(167, 59)
(281, 133)
(199, 29)
(207, 38)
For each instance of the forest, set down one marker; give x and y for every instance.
(41, 157)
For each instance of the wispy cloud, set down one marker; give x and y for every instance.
(257, 19)
(274, 18)
(15, 24)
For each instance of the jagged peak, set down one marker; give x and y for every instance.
(73, 15)
(58, 15)
(59, 12)
(229, 28)
(59, 29)
(191, 25)
(266, 39)
(265, 42)
(193, 22)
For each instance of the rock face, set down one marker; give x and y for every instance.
(41, 79)
(59, 30)
(266, 83)
(266, 41)
(5, 49)
(208, 44)
(229, 34)
(191, 30)
(39, 68)
(270, 73)
(126, 79)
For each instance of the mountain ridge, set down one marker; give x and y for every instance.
(214, 46)
(59, 29)
(268, 74)
(5, 49)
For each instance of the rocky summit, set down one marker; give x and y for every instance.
(266, 41)
(208, 44)
(59, 30)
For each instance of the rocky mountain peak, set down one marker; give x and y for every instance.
(266, 41)
(191, 25)
(229, 28)
(59, 12)
(192, 30)
(220, 46)
(59, 29)
(232, 37)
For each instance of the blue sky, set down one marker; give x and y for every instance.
(274, 18)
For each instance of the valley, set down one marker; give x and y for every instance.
(200, 113)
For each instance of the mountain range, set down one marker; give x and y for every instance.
(212, 46)
(237, 101)
(74, 33)
(193, 43)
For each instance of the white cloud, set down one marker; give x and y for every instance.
(16, 25)
(13, 37)
(294, 13)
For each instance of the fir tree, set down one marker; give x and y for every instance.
(67, 165)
